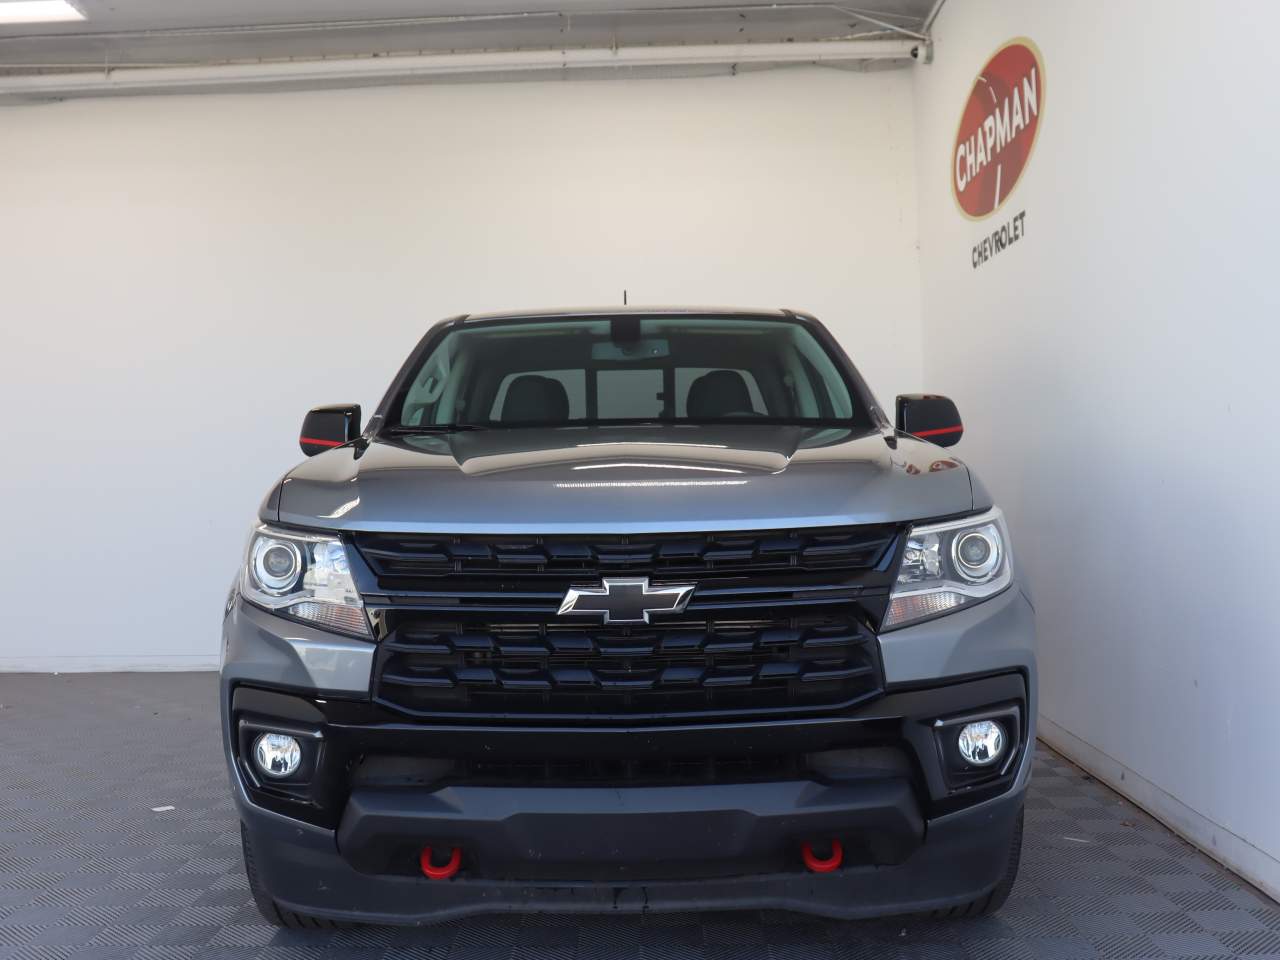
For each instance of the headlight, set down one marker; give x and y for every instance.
(305, 576)
(277, 564)
(950, 565)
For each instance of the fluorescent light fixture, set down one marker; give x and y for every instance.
(582, 485)
(38, 11)
(655, 466)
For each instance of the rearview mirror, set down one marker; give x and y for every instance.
(929, 417)
(324, 428)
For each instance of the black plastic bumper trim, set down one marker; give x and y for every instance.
(962, 858)
(607, 834)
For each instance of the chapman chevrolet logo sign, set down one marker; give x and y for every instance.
(994, 140)
(998, 129)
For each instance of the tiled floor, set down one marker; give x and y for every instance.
(118, 839)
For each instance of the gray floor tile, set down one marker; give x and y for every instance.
(88, 870)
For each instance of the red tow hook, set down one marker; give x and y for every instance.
(444, 871)
(817, 865)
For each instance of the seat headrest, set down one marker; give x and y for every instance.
(531, 398)
(719, 393)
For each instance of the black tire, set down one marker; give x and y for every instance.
(993, 901)
(271, 911)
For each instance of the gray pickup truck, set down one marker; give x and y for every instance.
(624, 610)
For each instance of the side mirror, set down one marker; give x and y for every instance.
(324, 428)
(929, 417)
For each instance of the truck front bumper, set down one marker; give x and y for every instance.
(916, 836)
(964, 856)
(911, 840)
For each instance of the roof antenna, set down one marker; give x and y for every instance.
(624, 297)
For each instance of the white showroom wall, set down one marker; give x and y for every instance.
(1116, 371)
(183, 277)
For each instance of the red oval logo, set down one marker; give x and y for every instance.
(998, 129)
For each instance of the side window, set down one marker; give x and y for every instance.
(573, 381)
(426, 390)
(685, 376)
(628, 394)
(822, 374)
(818, 389)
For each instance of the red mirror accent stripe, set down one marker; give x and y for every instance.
(934, 433)
(320, 443)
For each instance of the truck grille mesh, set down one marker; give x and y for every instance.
(403, 558)
(779, 622)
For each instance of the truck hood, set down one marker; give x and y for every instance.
(630, 479)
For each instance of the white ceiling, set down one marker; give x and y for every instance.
(120, 33)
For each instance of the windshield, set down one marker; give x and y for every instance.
(627, 369)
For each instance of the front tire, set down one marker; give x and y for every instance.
(271, 911)
(991, 902)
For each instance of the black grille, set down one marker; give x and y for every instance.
(398, 558)
(778, 622)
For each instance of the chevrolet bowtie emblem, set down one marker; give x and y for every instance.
(625, 600)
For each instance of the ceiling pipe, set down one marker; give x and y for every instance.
(408, 69)
(455, 19)
(885, 24)
(927, 27)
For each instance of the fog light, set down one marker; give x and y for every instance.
(277, 754)
(981, 744)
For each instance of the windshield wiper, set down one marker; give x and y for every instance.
(764, 421)
(403, 430)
